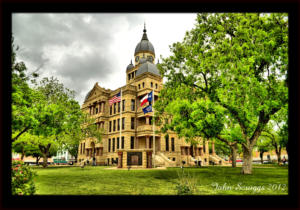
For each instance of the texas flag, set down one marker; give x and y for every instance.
(147, 98)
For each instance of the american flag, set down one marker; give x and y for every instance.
(115, 99)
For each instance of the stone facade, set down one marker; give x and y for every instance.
(129, 141)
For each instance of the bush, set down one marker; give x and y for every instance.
(186, 184)
(22, 179)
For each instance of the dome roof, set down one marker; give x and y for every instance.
(144, 44)
(130, 66)
(147, 67)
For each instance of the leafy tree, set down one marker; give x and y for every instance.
(238, 64)
(24, 98)
(263, 145)
(46, 114)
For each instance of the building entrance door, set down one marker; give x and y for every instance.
(134, 160)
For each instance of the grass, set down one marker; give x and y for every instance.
(209, 181)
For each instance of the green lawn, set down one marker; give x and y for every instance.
(209, 181)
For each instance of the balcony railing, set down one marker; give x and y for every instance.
(145, 127)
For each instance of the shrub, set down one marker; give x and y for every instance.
(186, 184)
(22, 179)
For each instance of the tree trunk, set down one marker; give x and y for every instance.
(261, 154)
(37, 160)
(247, 160)
(45, 151)
(278, 153)
(23, 153)
(45, 160)
(233, 149)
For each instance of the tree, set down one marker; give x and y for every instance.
(276, 132)
(24, 98)
(263, 145)
(46, 113)
(193, 118)
(235, 61)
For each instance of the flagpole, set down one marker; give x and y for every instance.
(153, 130)
(120, 122)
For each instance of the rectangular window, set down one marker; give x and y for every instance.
(123, 123)
(109, 126)
(109, 145)
(204, 148)
(167, 143)
(132, 105)
(123, 105)
(143, 84)
(122, 142)
(151, 84)
(115, 105)
(132, 142)
(110, 110)
(96, 110)
(113, 147)
(139, 86)
(83, 148)
(132, 123)
(118, 142)
(114, 125)
(118, 124)
(172, 144)
(119, 106)
(155, 86)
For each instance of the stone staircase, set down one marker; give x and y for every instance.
(216, 159)
(162, 161)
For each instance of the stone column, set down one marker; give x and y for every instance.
(149, 159)
(147, 120)
(147, 142)
(124, 160)
(103, 105)
(201, 151)
(120, 154)
(206, 147)
(213, 148)
(144, 159)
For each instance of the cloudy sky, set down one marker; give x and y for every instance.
(82, 49)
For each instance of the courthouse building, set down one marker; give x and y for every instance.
(135, 144)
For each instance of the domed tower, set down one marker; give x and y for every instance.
(144, 56)
(144, 49)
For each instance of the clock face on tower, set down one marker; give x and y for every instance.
(137, 58)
